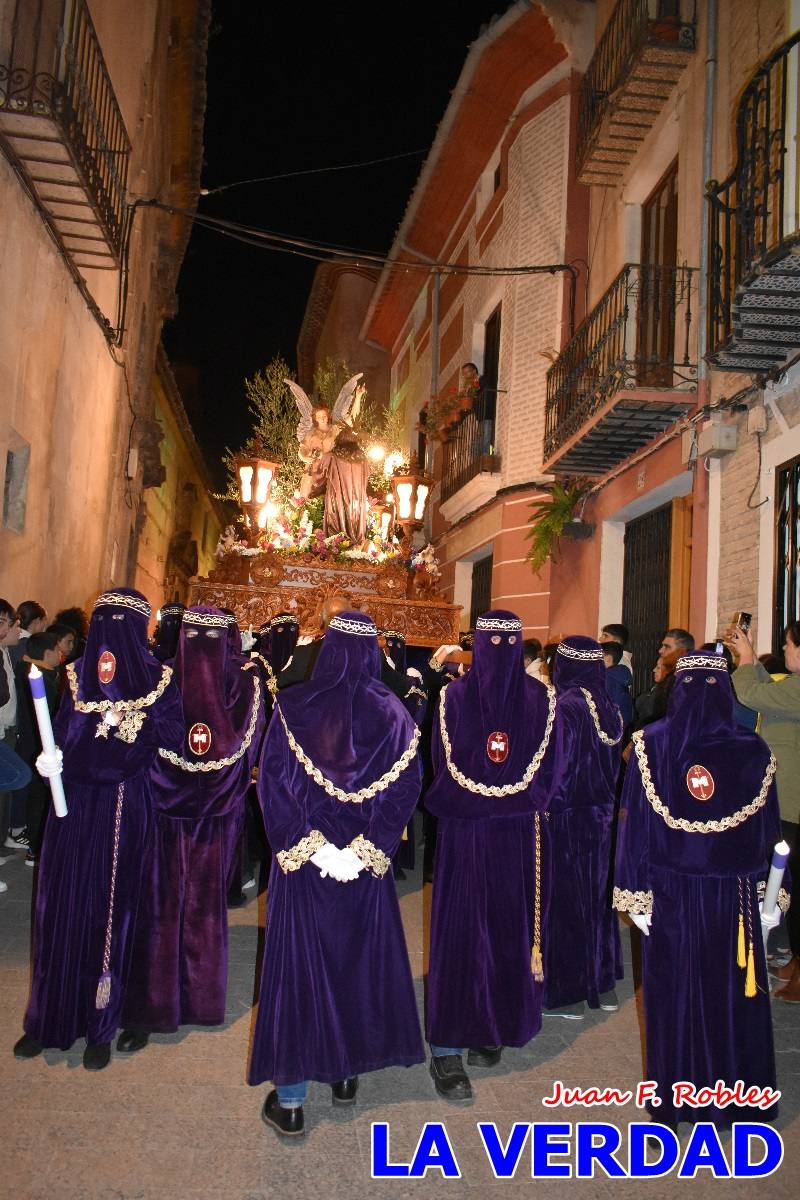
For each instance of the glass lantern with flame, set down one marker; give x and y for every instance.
(410, 490)
(255, 478)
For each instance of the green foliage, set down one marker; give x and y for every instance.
(548, 518)
(275, 418)
(330, 377)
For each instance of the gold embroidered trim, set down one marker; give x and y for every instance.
(784, 898)
(272, 679)
(365, 793)
(90, 706)
(640, 903)
(415, 691)
(435, 665)
(299, 854)
(567, 651)
(373, 859)
(725, 823)
(604, 738)
(493, 789)
(217, 764)
(215, 620)
(119, 600)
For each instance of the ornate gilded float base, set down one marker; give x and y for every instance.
(256, 588)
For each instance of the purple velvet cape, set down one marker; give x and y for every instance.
(584, 955)
(481, 990)
(337, 997)
(700, 1026)
(179, 973)
(72, 896)
(168, 632)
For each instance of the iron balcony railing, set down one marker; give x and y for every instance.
(470, 448)
(51, 65)
(633, 25)
(640, 335)
(754, 217)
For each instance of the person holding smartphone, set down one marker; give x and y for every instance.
(778, 701)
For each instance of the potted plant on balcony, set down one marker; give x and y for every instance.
(441, 413)
(554, 517)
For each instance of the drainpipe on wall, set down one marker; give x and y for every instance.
(707, 485)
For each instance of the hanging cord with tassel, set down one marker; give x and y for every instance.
(104, 983)
(750, 977)
(741, 959)
(536, 954)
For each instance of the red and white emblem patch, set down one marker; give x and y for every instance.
(106, 667)
(700, 782)
(199, 738)
(497, 746)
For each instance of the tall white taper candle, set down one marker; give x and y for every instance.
(46, 734)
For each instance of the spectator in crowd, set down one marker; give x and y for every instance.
(773, 665)
(78, 623)
(41, 649)
(778, 701)
(548, 660)
(618, 680)
(652, 706)
(14, 775)
(621, 634)
(679, 640)
(532, 657)
(9, 638)
(32, 619)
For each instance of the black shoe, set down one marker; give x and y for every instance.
(484, 1056)
(95, 1058)
(344, 1092)
(399, 874)
(288, 1122)
(27, 1047)
(237, 901)
(449, 1077)
(131, 1040)
(608, 1001)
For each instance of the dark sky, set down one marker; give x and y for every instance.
(293, 86)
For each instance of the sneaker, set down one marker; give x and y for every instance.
(6, 858)
(30, 859)
(608, 1001)
(3, 886)
(20, 842)
(571, 1012)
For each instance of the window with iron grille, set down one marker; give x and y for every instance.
(645, 590)
(787, 548)
(481, 599)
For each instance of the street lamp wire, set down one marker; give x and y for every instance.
(368, 162)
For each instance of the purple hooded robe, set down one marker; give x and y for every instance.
(336, 997)
(91, 862)
(168, 632)
(489, 901)
(179, 974)
(584, 956)
(700, 767)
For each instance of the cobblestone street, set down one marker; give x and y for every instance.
(179, 1120)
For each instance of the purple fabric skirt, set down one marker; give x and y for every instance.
(337, 997)
(71, 912)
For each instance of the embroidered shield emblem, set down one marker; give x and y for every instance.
(199, 738)
(700, 782)
(106, 667)
(497, 747)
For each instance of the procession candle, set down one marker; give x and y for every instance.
(46, 734)
(780, 857)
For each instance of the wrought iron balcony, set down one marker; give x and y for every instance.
(754, 269)
(470, 449)
(638, 61)
(628, 373)
(61, 126)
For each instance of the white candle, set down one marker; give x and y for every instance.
(46, 734)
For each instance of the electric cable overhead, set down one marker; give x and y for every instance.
(367, 162)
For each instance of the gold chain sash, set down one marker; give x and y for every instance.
(365, 793)
(725, 823)
(604, 738)
(493, 789)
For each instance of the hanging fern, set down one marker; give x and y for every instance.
(549, 518)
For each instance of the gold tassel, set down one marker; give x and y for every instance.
(741, 961)
(750, 978)
(537, 967)
(103, 995)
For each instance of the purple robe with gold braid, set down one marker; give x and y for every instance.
(495, 727)
(584, 956)
(336, 997)
(179, 974)
(81, 940)
(691, 856)
(168, 632)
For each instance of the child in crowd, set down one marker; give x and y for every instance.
(618, 680)
(621, 634)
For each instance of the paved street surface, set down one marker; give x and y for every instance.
(179, 1121)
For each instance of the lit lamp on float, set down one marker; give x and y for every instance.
(411, 490)
(256, 477)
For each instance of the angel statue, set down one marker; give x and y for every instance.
(333, 459)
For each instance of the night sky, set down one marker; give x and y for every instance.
(292, 87)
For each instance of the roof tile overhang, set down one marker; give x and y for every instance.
(516, 51)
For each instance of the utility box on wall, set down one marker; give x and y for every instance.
(716, 439)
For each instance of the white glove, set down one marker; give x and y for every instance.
(248, 641)
(49, 765)
(350, 857)
(771, 921)
(441, 654)
(642, 921)
(324, 859)
(414, 673)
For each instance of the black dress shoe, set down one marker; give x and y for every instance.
(449, 1077)
(98, 1056)
(484, 1056)
(288, 1122)
(27, 1047)
(344, 1092)
(131, 1040)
